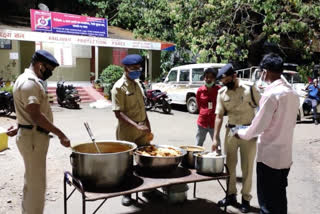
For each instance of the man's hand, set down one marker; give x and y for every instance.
(64, 140)
(215, 144)
(143, 128)
(12, 131)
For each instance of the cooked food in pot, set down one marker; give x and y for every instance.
(109, 147)
(208, 154)
(158, 152)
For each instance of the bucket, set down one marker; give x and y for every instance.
(3, 139)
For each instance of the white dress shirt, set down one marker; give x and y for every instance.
(274, 125)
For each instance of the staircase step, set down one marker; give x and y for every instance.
(87, 94)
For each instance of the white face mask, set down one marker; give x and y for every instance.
(262, 81)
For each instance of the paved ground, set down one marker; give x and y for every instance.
(177, 129)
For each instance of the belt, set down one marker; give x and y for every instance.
(141, 122)
(230, 126)
(39, 129)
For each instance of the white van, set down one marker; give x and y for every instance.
(182, 83)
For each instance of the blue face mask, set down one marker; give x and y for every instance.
(134, 74)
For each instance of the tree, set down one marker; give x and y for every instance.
(230, 30)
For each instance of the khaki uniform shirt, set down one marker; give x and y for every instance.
(28, 89)
(127, 97)
(237, 104)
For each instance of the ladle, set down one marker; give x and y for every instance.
(86, 124)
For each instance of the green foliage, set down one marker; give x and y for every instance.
(221, 31)
(7, 88)
(109, 77)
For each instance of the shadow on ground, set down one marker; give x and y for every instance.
(198, 205)
(182, 108)
(191, 206)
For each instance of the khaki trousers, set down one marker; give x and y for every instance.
(33, 147)
(131, 134)
(247, 155)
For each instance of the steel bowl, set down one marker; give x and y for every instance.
(209, 165)
(102, 170)
(158, 164)
(189, 160)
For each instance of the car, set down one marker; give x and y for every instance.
(182, 82)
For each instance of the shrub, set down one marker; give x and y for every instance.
(109, 77)
(7, 88)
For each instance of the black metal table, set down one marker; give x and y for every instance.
(140, 182)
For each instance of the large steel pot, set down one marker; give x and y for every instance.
(102, 170)
(209, 164)
(188, 160)
(159, 164)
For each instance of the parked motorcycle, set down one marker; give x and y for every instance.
(157, 99)
(6, 103)
(307, 111)
(67, 96)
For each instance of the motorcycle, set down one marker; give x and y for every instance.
(157, 99)
(306, 111)
(6, 103)
(67, 96)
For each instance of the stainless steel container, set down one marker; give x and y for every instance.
(176, 193)
(189, 160)
(159, 164)
(102, 170)
(209, 165)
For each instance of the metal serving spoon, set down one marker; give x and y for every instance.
(86, 124)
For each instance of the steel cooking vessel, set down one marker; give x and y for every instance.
(188, 160)
(209, 164)
(102, 170)
(158, 164)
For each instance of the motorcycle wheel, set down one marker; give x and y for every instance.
(148, 104)
(166, 107)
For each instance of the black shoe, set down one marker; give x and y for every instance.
(229, 200)
(245, 206)
(126, 200)
(316, 122)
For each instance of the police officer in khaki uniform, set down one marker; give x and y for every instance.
(128, 106)
(35, 121)
(238, 101)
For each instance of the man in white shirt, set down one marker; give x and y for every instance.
(274, 126)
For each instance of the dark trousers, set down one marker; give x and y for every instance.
(271, 188)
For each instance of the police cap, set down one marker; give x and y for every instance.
(45, 56)
(132, 59)
(226, 70)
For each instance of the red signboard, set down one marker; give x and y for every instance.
(53, 22)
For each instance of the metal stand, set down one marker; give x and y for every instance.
(224, 189)
(77, 185)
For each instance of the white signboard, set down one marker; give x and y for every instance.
(78, 40)
(14, 55)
